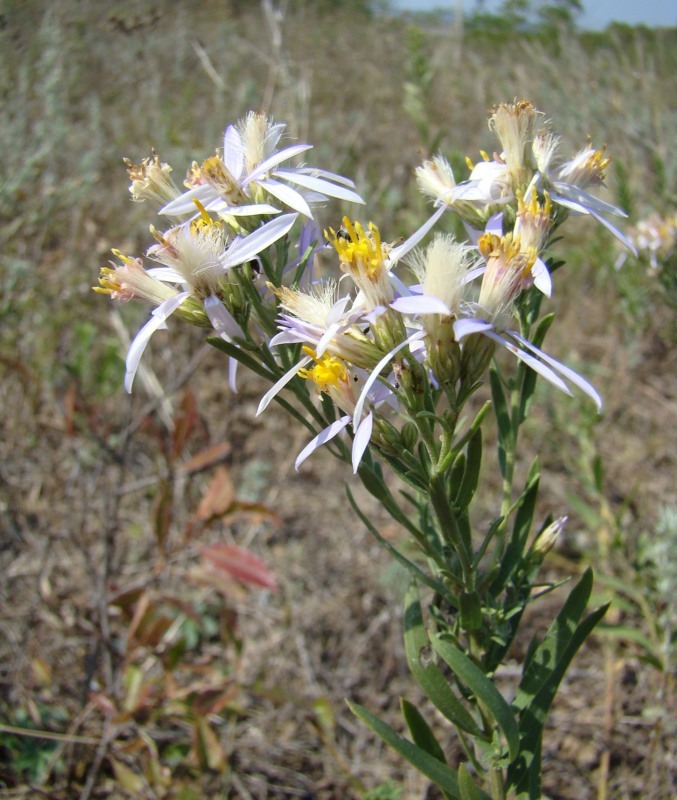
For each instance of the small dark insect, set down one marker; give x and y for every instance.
(342, 233)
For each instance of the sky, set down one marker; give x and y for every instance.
(597, 14)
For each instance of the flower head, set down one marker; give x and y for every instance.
(245, 178)
(514, 124)
(364, 257)
(192, 253)
(150, 180)
(128, 280)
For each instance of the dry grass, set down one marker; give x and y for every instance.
(81, 464)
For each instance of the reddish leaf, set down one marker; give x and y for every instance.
(240, 564)
(69, 406)
(219, 496)
(207, 747)
(184, 423)
(162, 512)
(205, 458)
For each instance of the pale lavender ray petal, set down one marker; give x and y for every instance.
(222, 320)
(541, 276)
(249, 210)
(233, 152)
(400, 286)
(288, 196)
(567, 372)
(622, 238)
(244, 249)
(156, 321)
(287, 336)
(166, 274)
(326, 337)
(232, 374)
(421, 304)
(571, 192)
(530, 361)
(408, 244)
(319, 185)
(361, 440)
(382, 364)
(277, 387)
(467, 326)
(570, 204)
(274, 160)
(322, 438)
(183, 204)
(473, 273)
(495, 224)
(338, 309)
(274, 133)
(330, 176)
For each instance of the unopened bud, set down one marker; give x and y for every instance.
(546, 541)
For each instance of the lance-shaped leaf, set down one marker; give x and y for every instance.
(529, 377)
(429, 676)
(437, 771)
(506, 433)
(514, 552)
(471, 472)
(420, 730)
(466, 785)
(484, 690)
(543, 672)
(414, 569)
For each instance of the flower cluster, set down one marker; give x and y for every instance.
(373, 344)
(654, 238)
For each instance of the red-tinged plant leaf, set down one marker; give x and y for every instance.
(212, 700)
(69, 405)
(255, 512)
(152, 630)
(207, 748)
(217, 580)
(218, 498)
(128, 779)
(127, 599)
(205, 458)
(162, 512)
(183, 607)
(104, 704)
(184, 423)
(140, 610)
(240, 564)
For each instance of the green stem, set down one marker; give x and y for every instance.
(450, 530)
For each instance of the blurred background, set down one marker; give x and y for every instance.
(182, 615)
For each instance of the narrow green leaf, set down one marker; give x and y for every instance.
(532, 719)
(514, 552)
(652, 653)
(466, 785)
(553, 647)
(529, 380)
(415, 570)
(471, 473)
(455, 474)
(439, 773)
(470, 607)
(429, 676)
(240, 355)
(420, 730)
(503, 421)
(472, 676)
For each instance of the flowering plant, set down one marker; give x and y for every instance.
(382, 370)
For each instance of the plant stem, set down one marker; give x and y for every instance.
(450, 530)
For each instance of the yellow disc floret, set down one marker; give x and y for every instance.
(360, 251)
(327, 373)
